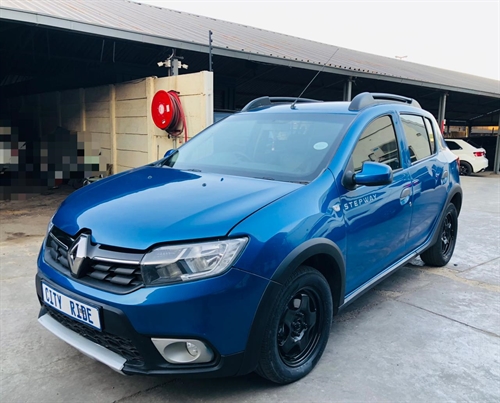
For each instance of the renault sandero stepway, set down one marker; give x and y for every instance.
(232, 253)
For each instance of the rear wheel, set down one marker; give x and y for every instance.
(465, 168)
(299, 327)
(440, 253)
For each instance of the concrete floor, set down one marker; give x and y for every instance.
(424, 334)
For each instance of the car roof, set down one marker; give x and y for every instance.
(359, 103)
(313, 107)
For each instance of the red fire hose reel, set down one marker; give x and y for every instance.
(167, 113)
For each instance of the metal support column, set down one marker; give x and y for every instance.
(496, 165)
(442, 111)
(210, 50)
(175, 67)
(348, 89)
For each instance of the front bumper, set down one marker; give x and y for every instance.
(125, 345)
(87, 347)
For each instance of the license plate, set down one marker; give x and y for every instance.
(77, 310)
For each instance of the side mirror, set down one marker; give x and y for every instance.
(371, 174)
(169, 153)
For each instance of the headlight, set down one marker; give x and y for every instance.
(49, 227)
(187, 262)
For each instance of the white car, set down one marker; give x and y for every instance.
(472, 158)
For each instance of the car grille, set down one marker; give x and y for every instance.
(119, 277)
(119, 345)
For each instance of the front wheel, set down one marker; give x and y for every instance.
(440, 253)
(299, 327)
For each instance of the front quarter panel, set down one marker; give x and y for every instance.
(284, 225)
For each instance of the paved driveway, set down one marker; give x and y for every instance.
(424, 334)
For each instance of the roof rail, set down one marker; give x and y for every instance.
(365, 99)
(268, 101)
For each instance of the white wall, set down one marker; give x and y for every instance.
(115, 120)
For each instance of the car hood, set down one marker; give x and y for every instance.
(151, 205)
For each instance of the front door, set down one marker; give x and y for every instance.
(377, 217)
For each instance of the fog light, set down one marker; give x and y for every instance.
(192, 349)
(183, 351)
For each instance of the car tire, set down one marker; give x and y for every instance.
(298, 329)
(440, 253)
(465, 168)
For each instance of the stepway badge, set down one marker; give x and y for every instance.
(359, 202)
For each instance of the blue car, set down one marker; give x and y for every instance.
(233, 253)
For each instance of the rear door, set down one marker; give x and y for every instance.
(428, 176)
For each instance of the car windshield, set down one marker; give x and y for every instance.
(292, 147)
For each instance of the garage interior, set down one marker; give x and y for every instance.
(43, 58)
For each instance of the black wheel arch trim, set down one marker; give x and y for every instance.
(304, 251)
(291, 262)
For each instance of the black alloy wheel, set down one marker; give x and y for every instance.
(465, 168)
(298, 328)
(447, 235)
(441, 252)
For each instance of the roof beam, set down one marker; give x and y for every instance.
(66, 24)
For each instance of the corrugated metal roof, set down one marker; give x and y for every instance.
(146, 23)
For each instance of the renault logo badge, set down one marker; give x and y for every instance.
(77, 254)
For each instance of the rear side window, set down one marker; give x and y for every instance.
(430, 132)
(377, 143)
(472, 143)
(452, 145)
(417, 137)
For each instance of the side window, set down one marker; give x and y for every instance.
(452, 145)
(430, 132)
(417, 137)
(377, 143)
